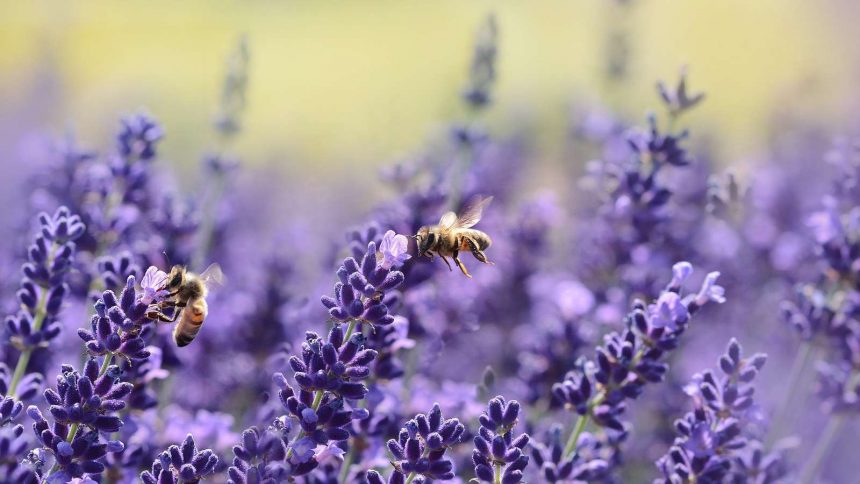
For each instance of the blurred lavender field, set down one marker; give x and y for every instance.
(660, 306)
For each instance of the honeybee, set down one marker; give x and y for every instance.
(187, 293)
(454, 234)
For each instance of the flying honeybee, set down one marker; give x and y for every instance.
(454, 234)
(187, 296)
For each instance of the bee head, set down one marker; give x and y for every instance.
(176, 278)
(424, 239)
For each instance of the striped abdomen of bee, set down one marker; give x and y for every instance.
(475, 242)
(189, 324)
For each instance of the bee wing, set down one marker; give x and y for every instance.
(448, 220)
(212, 277)
(472, 211)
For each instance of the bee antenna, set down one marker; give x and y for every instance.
(166, 257)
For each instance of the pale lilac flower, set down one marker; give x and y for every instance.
(680, 272)
(153, 370)
(825, 225)
(153, 280)
(574, 299)
(401, 330)
(393, 250)
(667, 310)
(330, 453)
(711, 291)
(303, 449)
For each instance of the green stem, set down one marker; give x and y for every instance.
(810, 471)
(498, 473)
(73, 430)
(350, 329)
(413, 475)
(581, 422)
(410, 478)
(105, 364)
(38, 321)
(344, 468)
(801, 360)
(574, 435)
(318, 396)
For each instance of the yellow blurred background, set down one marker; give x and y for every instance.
(338, 83)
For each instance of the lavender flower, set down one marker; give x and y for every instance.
(327, 373)
(398, 333)
(117, 325)
(233, 91)
(677, 99)
(557, 467)
(10, 407)
(393, 250)
(656, 147)
(259, 458)
(87, 399)
(114, 271)
(627, 361)
(152, 285)
(335, 365)
(82, 406)
(13, 446)
(43, 289)
(482, 72)
(138, 137)
(419, 450)
(360, 296)
(711, 437)
(181, 464)
(498, 456)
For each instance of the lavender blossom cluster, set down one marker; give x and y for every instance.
(575, 357)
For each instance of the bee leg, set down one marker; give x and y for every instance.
(446, 262)
(460, 265)
(161, 317)
(478, 253)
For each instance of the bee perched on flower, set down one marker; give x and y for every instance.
(186, 299)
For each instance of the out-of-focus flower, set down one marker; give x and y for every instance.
(555, 466)
(114, 271)
(138, 137)
(711, 291)
(482, 72)
(677, 100)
